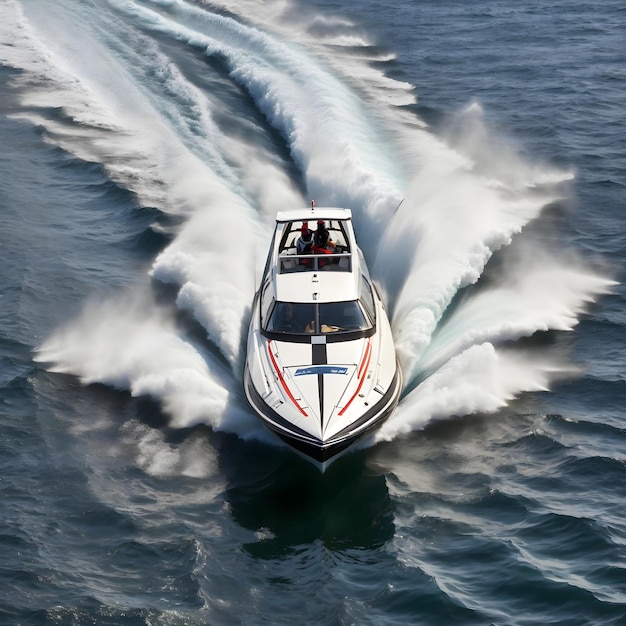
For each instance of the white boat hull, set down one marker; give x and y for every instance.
(323, 450)
(326, 374)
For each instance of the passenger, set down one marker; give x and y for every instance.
(287, 322)
(322, 240)
(322, 243)
(304, 243)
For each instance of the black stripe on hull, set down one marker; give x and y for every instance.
(320, 357)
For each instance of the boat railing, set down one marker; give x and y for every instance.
(333, 262)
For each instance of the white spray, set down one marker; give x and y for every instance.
(458, 210)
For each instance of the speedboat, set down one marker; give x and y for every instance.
(321, 368)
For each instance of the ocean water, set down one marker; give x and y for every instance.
(146, 146)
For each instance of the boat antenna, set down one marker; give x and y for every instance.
(312, 205)
(396, 209)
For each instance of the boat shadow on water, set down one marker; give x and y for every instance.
(289, 503)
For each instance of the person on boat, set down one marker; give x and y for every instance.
(322, 243)
(322, 240)
(287, 322)
(304, 243)
(325, 328)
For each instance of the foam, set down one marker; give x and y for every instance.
(332, 140)
(128, 343)
(192, 458)
(464, 196)
(481, 379)
(539, 293)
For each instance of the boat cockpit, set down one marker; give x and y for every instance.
(336, 257)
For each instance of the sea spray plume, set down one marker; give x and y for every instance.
(131, 344)
(456, 213)
(481, 379)
(461, 215)
(445, 232)
(206, 285)
(272, 189)
(534, 291)
(218, 254)
(212, 260)
(496, 156)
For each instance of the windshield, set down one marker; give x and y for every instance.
(331, 317)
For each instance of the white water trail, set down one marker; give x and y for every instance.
(333, 137)
(457, 212)
(537, 294)
(156, 135)
(481, 379)
(132, 344)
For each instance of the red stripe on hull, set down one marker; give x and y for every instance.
(282, 380)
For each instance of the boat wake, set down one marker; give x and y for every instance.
(221, 121)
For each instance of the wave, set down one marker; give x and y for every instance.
(206, 113)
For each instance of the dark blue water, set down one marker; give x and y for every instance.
(146, 146)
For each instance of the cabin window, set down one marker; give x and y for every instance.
(267, 302)
(367, 299)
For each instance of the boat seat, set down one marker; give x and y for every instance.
(288, 265)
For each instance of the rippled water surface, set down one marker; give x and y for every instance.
(147, 145)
